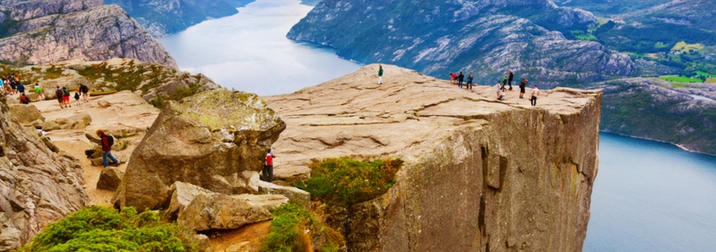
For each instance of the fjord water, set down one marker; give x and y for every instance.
(249, 51)
(648, 196)
(652, 196)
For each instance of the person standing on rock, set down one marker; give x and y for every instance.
(460, 78)
(85, 92)
(504, 82)
(453, 77)
(469, 81)
(106, 149)
(509, 78)
(267, 172)
(20, 88)
(66, 97)
(380, 74)
(523, 84)
(59, 94)
(38, 90)
(535, 93)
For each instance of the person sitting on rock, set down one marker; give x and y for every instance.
(106, 149)
(500, 91)
(267, 172)
(24, 99)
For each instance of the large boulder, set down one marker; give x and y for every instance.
(25, 114)
(212, 139)
(201, 209)
(110, 178)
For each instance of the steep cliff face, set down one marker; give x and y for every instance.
(161, 18)
(39, 32)
(37, 186)
(479, 174)
(486, 37)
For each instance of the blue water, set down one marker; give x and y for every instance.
(249, 51)
(648, 196)
(652, 196)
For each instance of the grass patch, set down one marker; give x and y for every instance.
(288, 232)
(581, 35)
(680, 79)
(711, 81)
(660, 45)
(100, 228)
(346, 181)
(687, 48)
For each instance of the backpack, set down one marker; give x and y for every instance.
(66, 92)
(110, 139)
(59, 93)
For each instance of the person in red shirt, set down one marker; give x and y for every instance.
(267, 172)
(106, 149)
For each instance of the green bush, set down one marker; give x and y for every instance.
(100, 228)
(346, 181)
(288, 231)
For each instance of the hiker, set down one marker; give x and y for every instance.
(77, 97)
(523, 84)
(380, 74)
(2, 85)
(453, 77)
(460, 78)
(106, 148)
(59, 93)
(509, 79)
(504, 82)
(267, 172)
(24, 99)
(66, 97)
(38, 90)
(85, 92)
(500, 89)
(20, 88)
(469, 81)
(13, 86)
(535, 93)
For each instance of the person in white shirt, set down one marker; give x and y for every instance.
(535, 93)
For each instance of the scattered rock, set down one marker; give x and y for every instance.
(294, 195)
(103, 104)
(110, 178)
(50, 125)
(220, 211)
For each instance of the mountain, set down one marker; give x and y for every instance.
(485, 37)
(162, 18)
(47, 31)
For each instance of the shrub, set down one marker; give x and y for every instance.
(346, 181)
(293, 228)
(100, 228)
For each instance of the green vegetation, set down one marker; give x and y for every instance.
(104, 229)
(288, 232)
(581, 35)
(346, 181)
(681, 79)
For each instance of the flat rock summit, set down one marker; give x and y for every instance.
(478, 174)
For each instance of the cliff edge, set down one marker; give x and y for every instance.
(479, 174)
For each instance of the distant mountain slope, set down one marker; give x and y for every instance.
(161, 18)
(610, 7)
(47, 31)
(487, 37)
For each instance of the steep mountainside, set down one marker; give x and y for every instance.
(485, 37)
(37, 185)
(479, 174)
(39, 32)
(161, 18)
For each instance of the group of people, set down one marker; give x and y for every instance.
(63, 95)
(502, 85)
(459, 78)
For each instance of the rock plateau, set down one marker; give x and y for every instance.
(479, 174)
